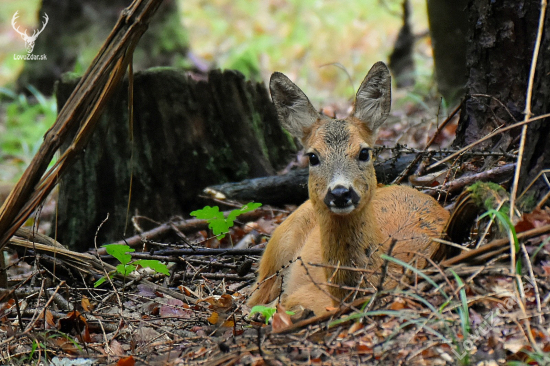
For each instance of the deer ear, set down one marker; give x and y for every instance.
(293, 107)
(373, 99)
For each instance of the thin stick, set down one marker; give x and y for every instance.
(487, 137)
(494, 245)
(534, 282)
(528, 115)
(400, 177)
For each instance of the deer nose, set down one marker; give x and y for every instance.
(341, 196)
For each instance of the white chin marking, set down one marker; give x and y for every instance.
(342, 210)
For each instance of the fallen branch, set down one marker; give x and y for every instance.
(82, 109)
(185, 226)
(497, 173)
(495, 247)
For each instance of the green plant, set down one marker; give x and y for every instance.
(427, 323)
(127, 266)
(26, 121)
(266, 311)
(504, 220)
(39, 343)
(217, 222)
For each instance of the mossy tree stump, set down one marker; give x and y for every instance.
(187, 135)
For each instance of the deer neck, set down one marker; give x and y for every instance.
(353, 240)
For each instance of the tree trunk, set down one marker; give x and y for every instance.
(448, 29)
(187, 135)
(502, 37)
(77, 28)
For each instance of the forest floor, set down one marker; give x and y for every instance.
(476, 307)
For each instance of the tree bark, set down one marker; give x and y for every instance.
(501, 41)
(187, 135)
(77, 29)
(448, 29)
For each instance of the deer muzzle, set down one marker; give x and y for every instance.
(341, 200)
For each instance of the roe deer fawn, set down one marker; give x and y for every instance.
(348, 221)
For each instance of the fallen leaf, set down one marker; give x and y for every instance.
(86, 305)
(65, 345)
(174, 308)
(213, 319)
(398, 304)
(228, 324)
(280, 319)
(49, 320)
(537, 218)
(126, 361)
(355, 327)
(146, 291)
(363, 349)
(116, 348)
(514, 345)
(223, 302)
(73, 321)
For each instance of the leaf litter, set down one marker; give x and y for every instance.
(198, 315)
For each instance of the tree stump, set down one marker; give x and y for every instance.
(187, 135)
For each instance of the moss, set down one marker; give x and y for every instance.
(489, 195)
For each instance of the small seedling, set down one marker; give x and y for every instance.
(127, 266)
(217, 222)
(266, 311)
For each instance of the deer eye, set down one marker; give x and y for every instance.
(313, 159)
(364, 154)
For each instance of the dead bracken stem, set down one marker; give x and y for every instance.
(513, 193)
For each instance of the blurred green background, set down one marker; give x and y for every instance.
(301, 38)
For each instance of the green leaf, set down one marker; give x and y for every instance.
(125, 269)
(208, 213)
(267, 312)
(100, 281)
(104, 278)
(251, 206)
(154, 264)
(464, 313)
(216, 220)
(119, 252)
(505, 221)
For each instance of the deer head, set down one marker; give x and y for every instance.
(341, 170)
(29, 40)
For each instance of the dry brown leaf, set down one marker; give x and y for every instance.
(65, 345)
(116, 349)
(537, 218)
(219, 303)
(186, 291)
(398, 304)
(73, 320)
(355, 327)
(213, 319)
(363, 349)
(514, 345)
(86, 305)
(280, 319)
(228, 324)
(50, 323)
(126, 361)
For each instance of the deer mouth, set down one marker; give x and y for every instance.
(342, 210)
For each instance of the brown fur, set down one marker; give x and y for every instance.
(356, 238)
